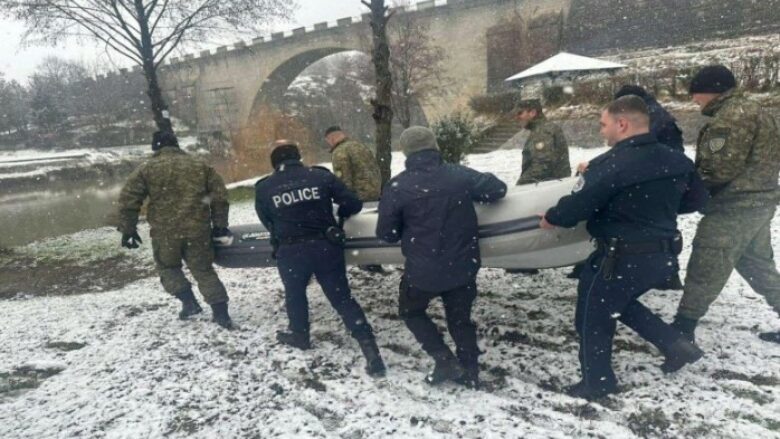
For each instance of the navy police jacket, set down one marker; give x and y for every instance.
(430, 209)
(633, 192)
(296, 202)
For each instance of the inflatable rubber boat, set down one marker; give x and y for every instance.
(510, 236)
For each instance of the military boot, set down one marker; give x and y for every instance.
(681, 353)
(772, 337)
(686, 327)
(582, 390)
(189, 304)
(447, 368)
(221, 316)
(299, 340)
(375, 367)
(470, 378)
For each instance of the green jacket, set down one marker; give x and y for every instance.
(545, 154)
(186, 196)
(738, 153)
(355, 165)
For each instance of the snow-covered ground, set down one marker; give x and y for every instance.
(143, 373)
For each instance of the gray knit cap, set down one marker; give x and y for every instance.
(416, 139)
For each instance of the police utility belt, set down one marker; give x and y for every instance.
(614, 248)
(334, 235)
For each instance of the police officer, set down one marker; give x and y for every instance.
(630, 197)
(187, 207)
(546, 152)
(430, 209)
(738, 157)
(295, 204)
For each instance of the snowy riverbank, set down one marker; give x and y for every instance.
(122, 366)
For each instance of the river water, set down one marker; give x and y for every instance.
(32, 216)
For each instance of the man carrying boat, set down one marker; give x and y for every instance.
(630, 196)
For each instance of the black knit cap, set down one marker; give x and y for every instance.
(627, 90)
(333, 129)
(713, 79)
(283, 151)
(161, 139)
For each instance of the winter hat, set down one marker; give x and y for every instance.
(331, 130)
(416, 139)
(627, 90)
(713, 79)
(161, 139)
(284, 150)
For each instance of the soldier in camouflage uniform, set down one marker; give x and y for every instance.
(738, 157)
(187, 208)
(355, 165)
(546, 152)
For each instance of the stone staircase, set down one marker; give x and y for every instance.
(496, 136)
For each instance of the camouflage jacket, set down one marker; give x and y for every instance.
(546, 153)
(738, 153)
(186, 196)
(356, 166)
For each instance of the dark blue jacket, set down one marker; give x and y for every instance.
(430, 209)
(297, 201)
(633, 192)
(663, 125)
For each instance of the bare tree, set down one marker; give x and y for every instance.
(143, 31)
(383, 109)
(416, 64)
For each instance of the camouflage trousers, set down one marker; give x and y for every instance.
(198, 253)
(726, 241)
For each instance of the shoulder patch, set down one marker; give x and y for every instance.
(717, 137)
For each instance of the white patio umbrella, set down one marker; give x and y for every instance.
(566, 64)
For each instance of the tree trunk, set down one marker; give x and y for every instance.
(156, 99)
(383, 110)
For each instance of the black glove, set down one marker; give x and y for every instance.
(131, 240)
(220, 232)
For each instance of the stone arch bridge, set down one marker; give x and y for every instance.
(223, 88)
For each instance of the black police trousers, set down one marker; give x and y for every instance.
(602, 302)
(413, 304)
(297, 263)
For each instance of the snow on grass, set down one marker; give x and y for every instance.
(143, 373)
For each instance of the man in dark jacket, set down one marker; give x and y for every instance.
(631, 197)
(662, 124)
(295, 204)
(430, 208)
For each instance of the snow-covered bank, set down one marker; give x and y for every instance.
(142, 373)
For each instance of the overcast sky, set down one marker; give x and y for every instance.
(18, 63)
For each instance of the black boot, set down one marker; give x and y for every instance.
(772, 337)
(375, 367)
(299, 340)
(686, 327)
(470, 377)
(189, 304)
(581, 390)
(221, 316)
(447, 368)
(681, 353)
